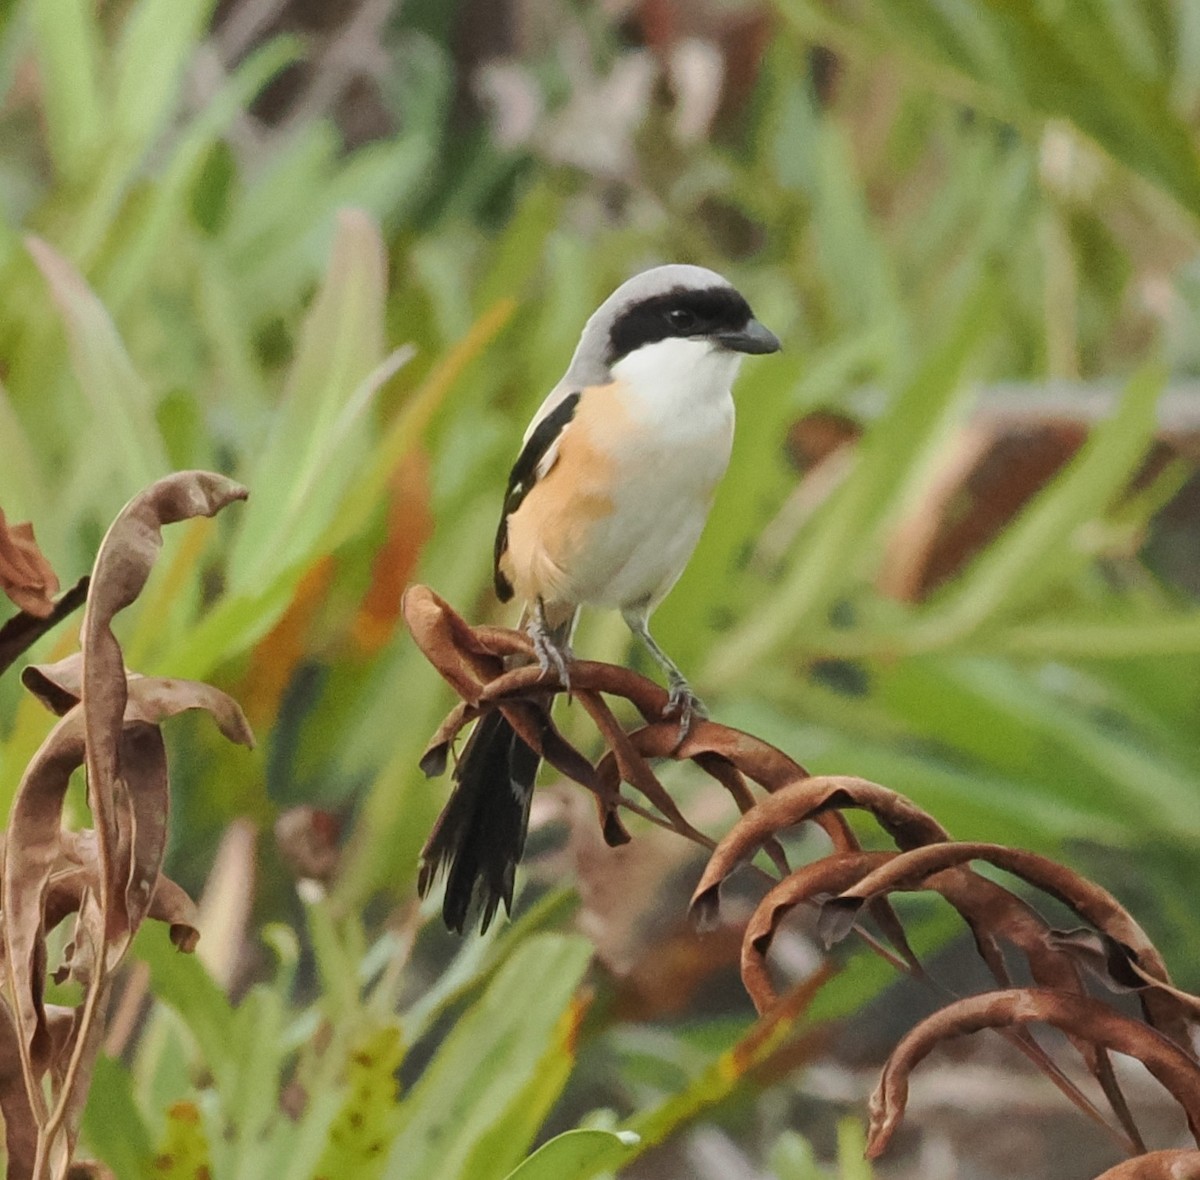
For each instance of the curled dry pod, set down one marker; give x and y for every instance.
(1078, 1016)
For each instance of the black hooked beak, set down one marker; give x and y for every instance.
(753, 338)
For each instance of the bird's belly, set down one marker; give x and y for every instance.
(627, 547)
(615, 520)
(634, 555)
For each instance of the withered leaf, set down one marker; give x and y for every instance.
(25, 575)
(491, 667)
(830, 874)
(35, 839)
(1157, 1165)
(123, 563)
(172, 904)
(20, 1126)
(908, 825)
(448, 643)
(77, 870)
(59, 686)
(993, 915)
(308, 840)
(1089, 901)
(1079, 1016)
(437, 753)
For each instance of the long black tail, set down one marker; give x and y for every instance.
(480, 834)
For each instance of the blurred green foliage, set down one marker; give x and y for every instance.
(918, 197)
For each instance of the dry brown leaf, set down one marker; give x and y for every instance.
(1079, 1016)
(123, 563)
(906, 823)
(109, 878)
(309, 842)
(77, 870)
(172, 904)
(20, 1126)
(25, 575)
(59, 686)
(1096, 906)
(144, 764)
(477, 663)
(448, 643)
(1158, 1165)
(472, 661)
(35, 841)
(830, 874)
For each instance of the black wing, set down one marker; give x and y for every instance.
(523, 477)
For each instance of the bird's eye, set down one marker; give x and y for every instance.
(681, 320)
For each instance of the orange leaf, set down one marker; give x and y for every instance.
(409, 525)
(277, 654)
(25, 574)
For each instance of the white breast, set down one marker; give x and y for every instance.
(676, 395)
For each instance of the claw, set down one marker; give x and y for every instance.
(685, 704)
(550, 657)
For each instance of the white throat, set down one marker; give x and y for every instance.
(680, 378)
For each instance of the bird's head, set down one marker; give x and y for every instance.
(670, 315)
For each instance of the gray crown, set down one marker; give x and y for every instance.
(588, 365)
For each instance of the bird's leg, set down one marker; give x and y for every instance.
(682, 701)
(552, 655)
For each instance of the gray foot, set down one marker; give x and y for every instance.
(684, 704)
(550, 657)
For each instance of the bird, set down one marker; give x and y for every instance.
(604, 507)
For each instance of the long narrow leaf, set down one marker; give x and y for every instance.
(1031, 552)
(123, 412)
(494, 1050)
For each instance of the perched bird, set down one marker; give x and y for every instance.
(604, 507)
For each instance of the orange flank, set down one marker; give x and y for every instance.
(550, 528)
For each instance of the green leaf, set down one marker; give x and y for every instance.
(494, 1052)
(828, 560)
(319, 431)
(112, 1125)
(166, 206)
(157, 40)
(576, 1155)
(181, 981)
(251, 1100)
(370, 1113)
(122, 407)
(183, 1153)
(852, 1150)
(68, 48)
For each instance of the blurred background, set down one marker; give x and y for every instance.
(340, 249)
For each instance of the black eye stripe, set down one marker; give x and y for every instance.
(708, 310)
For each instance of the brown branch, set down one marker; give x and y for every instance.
(491, 667)
(23, 630)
